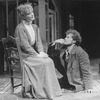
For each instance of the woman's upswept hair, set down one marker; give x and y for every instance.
(24, 9)
(76, 36)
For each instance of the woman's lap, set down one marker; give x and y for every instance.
(41, 74)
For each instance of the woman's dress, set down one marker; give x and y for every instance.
(40, 77)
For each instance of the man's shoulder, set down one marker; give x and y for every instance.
(79, 48)
(80, 51)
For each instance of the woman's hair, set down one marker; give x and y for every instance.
(76, 36)
(24, 9)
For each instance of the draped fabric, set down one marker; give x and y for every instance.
(40, 76)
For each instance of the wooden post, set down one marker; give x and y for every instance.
(7, 17)
(42, 22)
(71, 22)
(99, 68)
(17, 13)
(27, 1)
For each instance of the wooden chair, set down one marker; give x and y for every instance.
(14, 61)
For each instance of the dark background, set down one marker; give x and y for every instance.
(87, 21)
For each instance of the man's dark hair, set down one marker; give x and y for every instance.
(76, 36)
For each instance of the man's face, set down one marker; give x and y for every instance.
(69, 40)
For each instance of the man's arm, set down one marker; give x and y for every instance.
(85, 68)
(61, 41)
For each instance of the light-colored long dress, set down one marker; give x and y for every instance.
(39, 72)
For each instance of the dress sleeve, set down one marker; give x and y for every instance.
(25, 45)
(38, 41)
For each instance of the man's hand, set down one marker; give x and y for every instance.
(42, 54)
(61, 41)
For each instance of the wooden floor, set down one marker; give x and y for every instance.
(68, 95)
(5, 89)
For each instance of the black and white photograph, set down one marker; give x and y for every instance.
(49, 50)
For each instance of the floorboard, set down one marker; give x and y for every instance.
(5, 90)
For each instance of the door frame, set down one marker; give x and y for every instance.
(52, 15)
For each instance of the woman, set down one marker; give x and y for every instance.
(39, 68)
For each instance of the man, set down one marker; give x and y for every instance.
(75, 61)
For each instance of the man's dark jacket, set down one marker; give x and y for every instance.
(78, 68)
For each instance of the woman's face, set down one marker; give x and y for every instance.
(30, 17)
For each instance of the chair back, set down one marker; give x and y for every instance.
(12, 51)
(14, 58)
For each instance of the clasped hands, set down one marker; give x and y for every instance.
(42, 54)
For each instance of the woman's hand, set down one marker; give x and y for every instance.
(42, 54)
(61, 41)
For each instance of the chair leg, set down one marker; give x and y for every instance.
(12, 81)
(23, 92)
(12, 85)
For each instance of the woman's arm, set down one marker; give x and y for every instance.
(19, 32)
(38, 40)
